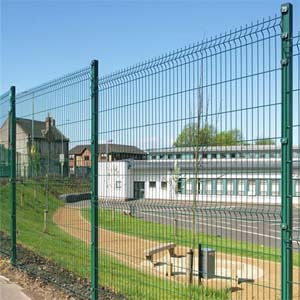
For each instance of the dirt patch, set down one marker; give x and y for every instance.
(48, 276)
(131, 250)
(125, 248)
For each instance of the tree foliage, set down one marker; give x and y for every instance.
(192, 136)
(228, 138)
(35, 158)
(265, 141)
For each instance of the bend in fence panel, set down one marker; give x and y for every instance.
(189, 159)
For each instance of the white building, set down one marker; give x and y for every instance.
(235, 173)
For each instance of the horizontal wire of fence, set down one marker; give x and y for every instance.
(296, 164)
(190, 170)
(4, 177)
(166, 179)
(51, 120)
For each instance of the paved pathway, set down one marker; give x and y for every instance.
(130, 249)
(11, 291)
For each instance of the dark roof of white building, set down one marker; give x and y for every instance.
(210, 165)
(218, 149)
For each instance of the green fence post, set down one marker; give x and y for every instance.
(12, 142)
(287, 158)
(94, 180)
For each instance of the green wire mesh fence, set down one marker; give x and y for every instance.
(4, 177)
(192, 141)
(177, 178)
(52, 120)
(296, 166)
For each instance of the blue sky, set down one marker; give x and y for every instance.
(42, 40)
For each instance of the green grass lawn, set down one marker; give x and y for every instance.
(165, 233)
(74, 254)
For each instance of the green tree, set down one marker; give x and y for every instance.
(35, 159)
(191, 136)
(265, 141)
(228, 138)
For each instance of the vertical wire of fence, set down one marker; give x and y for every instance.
(4, 175)
(176, 178)
(190, 170)
(53, 141)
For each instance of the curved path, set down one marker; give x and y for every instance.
(126, 248)
(130, 250)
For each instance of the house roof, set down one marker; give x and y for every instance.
(112, 148)
(78, 149)
(39, 128)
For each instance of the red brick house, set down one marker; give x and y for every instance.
(80, 156)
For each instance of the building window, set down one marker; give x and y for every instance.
(214, 155)
(163, 185)
(152, 184)
(189, 186)
(118, 184)
(179, 186)
(200, 185)
(263, 187)
(86, 157)
(178, 156)
(219, 186)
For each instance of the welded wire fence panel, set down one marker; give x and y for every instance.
(190, 171)
(296, 165)
(53, 146)
(193, 179)
(4, 174)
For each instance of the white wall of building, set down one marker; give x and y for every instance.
(115, 180)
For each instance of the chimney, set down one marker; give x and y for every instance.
(50, 122)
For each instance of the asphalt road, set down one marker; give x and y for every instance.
(254, 224)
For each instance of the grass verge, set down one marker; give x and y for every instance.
(165, 233)
(74, 255)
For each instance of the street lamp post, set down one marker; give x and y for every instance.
(62, 156)
(108, 141)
